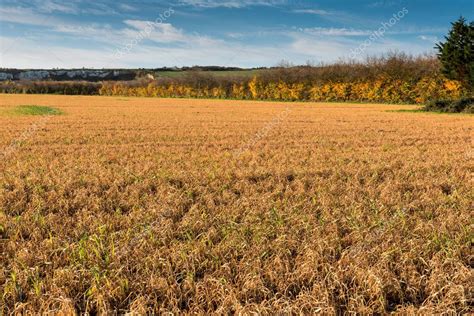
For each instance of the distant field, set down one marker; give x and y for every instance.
(236, 73)
(209, 206)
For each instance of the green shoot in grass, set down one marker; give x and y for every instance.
(35, 110)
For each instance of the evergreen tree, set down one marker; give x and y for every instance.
(457, 53)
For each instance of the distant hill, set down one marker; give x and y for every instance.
(66, 74)
(95, 75)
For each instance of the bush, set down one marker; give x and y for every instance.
(51, 87)
(465, 105)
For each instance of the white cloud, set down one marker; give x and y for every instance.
(428, 38)
(332, 48)
(50, 6)
(231, 3)
(312, 11)
(25, 16)
(335, 31)
(98, 8)
(96, 32)
(161, 33)
(158, 32)
(126, 7)
(330, 31)
(385, 3)
(25, 53)
(235, 35)
(41, 16)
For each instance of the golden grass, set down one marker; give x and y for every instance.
(142, 205)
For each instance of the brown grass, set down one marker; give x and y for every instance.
(143, 205)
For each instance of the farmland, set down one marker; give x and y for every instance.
(120, 204)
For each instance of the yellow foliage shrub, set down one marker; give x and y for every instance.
(382, 89)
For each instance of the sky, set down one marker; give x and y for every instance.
(243, 33)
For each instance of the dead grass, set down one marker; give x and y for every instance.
(142, 206)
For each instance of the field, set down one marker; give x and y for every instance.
(222, 73)
(210, 206)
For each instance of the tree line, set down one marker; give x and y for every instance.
(394, 78)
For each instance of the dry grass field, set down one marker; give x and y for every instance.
(207, 206)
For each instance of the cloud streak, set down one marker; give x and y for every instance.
(236, 4)
(312, 11)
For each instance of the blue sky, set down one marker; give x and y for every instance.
(245, 33)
